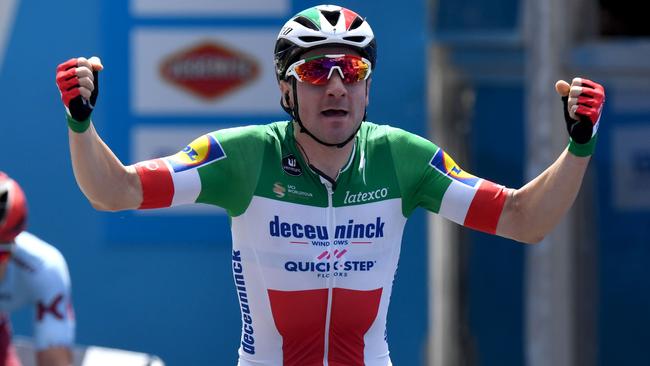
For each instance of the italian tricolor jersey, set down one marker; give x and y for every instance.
(314, 261)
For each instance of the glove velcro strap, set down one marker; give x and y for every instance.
(583, 150)
(76, 126)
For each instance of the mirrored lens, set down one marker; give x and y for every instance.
(318, 70)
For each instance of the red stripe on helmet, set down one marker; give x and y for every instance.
(350, 16)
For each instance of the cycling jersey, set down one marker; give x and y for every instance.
(37, 275)
(314, 260)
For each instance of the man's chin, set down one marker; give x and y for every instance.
(338, 135)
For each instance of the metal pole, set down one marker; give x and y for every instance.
(552, 270)
(8, 10)
(449, 343)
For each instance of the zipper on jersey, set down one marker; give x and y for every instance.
(331, 220)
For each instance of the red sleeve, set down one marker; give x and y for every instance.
(157, 184)
(486, 207)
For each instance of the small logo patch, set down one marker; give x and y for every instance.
(447, 166)
(279, 189)
(291, 166)
(201, 151)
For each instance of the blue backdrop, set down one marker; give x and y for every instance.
(139, 290)
(171, 298)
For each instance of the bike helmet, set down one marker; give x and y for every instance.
(13, 209)
(322, 25)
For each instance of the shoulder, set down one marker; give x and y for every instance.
(38, 257)
(241, 139)
(395, 138)
(221, 145)
(252, 133)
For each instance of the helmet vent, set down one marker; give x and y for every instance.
(356, 23)
(310, 39)
(331, 16)
(3, 204)
(306, 22)
(355, 39)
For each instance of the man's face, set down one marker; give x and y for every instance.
(333, 111)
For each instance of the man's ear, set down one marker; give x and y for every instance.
(287, 100)
(285, 89)
(368, 91)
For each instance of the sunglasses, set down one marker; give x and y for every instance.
(317, 70)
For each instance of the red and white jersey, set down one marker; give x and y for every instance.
(314, 259)
(37, 275)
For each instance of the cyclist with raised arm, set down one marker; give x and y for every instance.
(318, 204)
(32, 273)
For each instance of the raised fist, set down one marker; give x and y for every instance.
(583, 104)
(78, 83)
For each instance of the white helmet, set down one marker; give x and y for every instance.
(322, 25)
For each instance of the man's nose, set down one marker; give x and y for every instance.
(335, 85)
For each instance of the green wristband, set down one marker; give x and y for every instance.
(583, 150)
(76, 126)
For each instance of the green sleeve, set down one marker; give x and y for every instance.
(230, 182)
(420, 183)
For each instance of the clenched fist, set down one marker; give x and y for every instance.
(78, 83)
(583, 105)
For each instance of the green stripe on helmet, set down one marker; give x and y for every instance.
(312, 14)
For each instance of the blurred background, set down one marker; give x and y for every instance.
(475, 76)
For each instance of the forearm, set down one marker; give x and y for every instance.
(104, 180)
(532, 211)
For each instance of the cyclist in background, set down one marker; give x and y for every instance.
(318, 204)
(32, 273)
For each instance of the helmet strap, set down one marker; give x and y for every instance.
(293, 112)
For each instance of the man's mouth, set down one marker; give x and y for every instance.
(334, 113)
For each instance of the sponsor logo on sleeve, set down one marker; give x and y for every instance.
(204, 150)
(447, 166)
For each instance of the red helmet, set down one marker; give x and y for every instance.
(13, 209)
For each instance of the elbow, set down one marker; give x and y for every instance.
(531, 239)
(106, 206)
(520, 223)
(115, 198)
(528, 234)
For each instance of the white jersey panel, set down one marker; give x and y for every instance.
(292, 252)
(457, 200)
(37, 275)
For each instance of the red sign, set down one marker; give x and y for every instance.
(209, 70)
